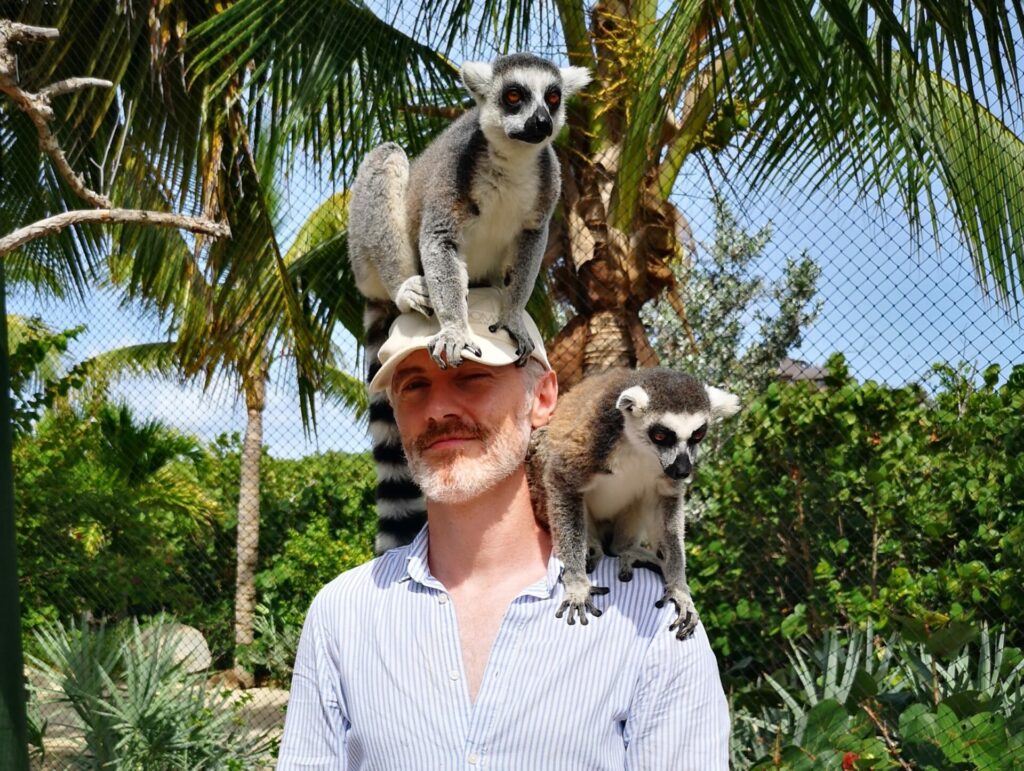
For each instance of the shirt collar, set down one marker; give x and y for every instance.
(418, 570)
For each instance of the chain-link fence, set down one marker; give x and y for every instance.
(830, 230)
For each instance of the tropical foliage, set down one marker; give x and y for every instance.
(951, 697)
(136, 705)
(855, 502)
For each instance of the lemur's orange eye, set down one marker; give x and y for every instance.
(553, 98)
(513, 96)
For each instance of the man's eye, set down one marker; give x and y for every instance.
(412, 385)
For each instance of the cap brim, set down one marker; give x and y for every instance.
(490, 353)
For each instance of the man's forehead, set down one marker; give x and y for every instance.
(420, 363)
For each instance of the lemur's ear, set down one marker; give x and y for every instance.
(634, 399)
(723, 403)
(477, 77)
(573, 79)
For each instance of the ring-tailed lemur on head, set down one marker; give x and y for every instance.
(472, 209)
(615, 458)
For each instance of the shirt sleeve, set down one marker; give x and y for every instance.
(680, 716)
(315, 723)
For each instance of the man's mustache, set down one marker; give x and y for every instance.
(446, 429)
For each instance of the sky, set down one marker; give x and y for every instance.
(892, 307)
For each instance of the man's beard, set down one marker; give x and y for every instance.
(453, 476)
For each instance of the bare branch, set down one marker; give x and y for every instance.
(108, 216)
(37, 107)
(39, 111)
(70, 85)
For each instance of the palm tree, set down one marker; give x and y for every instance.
(894, 100)
(231, 308)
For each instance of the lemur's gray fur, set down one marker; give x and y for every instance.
(472, 209)
(613, 462)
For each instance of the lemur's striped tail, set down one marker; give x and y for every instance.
(401, 509)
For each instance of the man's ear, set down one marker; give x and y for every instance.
(544, 399)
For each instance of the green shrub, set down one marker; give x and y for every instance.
(320, 519)
(860, 502)
(107, 508)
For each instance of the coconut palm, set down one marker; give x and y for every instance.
(161, 139)
(907, 101)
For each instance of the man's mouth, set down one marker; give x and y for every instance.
(448, 435)
(449, 441)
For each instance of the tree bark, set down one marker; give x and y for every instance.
(248, 537)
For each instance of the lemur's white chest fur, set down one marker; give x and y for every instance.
(635, 486)
(505, 190)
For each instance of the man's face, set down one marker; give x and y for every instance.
(464, 428)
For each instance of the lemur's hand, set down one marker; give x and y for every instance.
(412, 295)
(577, 601)
(520, 336)
(446, 347)
(686, 613)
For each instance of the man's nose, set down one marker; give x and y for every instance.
(443, 401)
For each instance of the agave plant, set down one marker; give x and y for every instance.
(138, 707)
(952, 697)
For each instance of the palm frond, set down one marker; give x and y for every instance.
(347, 390)
(331, 77)
(156, 358)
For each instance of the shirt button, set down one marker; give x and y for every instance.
(473, 759)
(453, 674)
(442, 598)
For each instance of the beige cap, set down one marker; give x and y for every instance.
(412, 331)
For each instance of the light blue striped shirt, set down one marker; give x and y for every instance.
(379, 683)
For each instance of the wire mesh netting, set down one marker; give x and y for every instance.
(818, 209)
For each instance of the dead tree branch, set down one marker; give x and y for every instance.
(60, 221)
(37, 106)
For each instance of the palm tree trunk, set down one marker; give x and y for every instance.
(248, 537)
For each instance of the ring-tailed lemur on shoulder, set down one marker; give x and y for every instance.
(472, 209)
(614, 460)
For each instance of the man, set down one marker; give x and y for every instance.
(446, 653)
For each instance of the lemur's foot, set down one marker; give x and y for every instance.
(578, 603)
(446, 347)
(412, 295)
(633, 558)
(686, 613)
(520, 336)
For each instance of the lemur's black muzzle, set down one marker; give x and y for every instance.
(680, 468)
(537, 127)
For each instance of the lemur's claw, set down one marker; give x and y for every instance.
(412, 295)
(446, 348)
(686, 614)
(520, 336)
(578, 604)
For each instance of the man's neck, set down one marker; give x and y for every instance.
(491, 539)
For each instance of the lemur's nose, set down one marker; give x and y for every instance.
(541, 119)
(680, 468)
